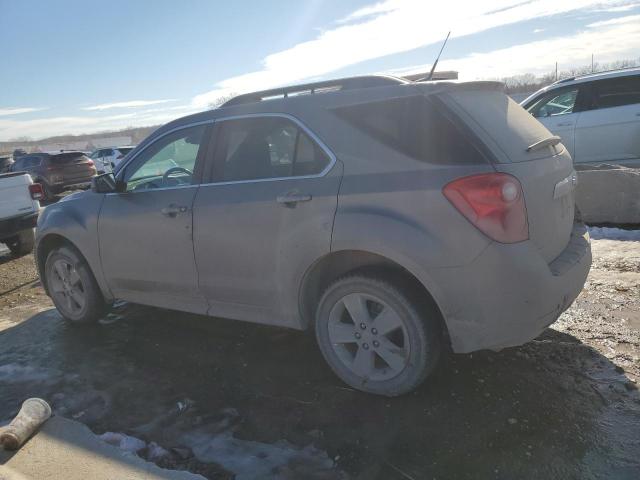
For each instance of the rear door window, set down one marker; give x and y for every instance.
(266, 147)
(415, 126)
(615, 92)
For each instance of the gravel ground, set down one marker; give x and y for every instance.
(229, 399)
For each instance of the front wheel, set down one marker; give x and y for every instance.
(72, 287)
(374, 337)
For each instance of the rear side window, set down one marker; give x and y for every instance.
(616, 92)
(266, 147)
(124, 151)
(416, 127)
(67, 158)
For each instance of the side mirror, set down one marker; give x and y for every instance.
(107, 183)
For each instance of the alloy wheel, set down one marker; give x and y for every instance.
(66, 285)
(368, 336)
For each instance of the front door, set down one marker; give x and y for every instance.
(557, 111)
(145, 233)
(266, 216)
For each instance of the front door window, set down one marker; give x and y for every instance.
(169, 162)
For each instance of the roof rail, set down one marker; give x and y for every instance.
(589, 74)
(350, 83)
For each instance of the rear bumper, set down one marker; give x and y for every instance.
(510, 294)
(12, 226)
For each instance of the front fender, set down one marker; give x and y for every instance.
(75, 220)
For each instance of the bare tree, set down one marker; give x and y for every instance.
(221, 100)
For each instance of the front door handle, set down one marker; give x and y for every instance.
(173, 210)
(292, 198)
(564, 124)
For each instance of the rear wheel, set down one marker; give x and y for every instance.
(374, 337)
(22, 244)
(72, 287)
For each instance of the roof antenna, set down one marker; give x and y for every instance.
(435, 64)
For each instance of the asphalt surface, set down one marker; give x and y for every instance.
(226, 398)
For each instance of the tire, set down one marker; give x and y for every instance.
(22, 244)
(388, 354)
(72, 287)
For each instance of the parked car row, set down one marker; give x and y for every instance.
(57, 172)
(64, 170)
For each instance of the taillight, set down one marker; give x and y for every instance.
(494, 203)
(36, 191)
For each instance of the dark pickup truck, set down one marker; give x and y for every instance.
(57, 172)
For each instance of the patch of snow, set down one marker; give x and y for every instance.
(155, 451)
(249, 460)
(609, 233)
(16, 373)
(123, 442)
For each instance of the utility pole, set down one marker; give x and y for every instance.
(592, 63)
(556, 71)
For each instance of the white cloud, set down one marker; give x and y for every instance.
(539, 57)
(63, 125)
(538, 30)
(17, 110)
(616, 21)
(387, 28)
(129, 104)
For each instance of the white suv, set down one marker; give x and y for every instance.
(596, 115)
(106, 159)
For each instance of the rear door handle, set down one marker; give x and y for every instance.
(292, 198)
(173, 210)
(564, 124)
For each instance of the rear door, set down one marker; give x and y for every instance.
(609, 130)
(145, 233)
(265, 216)
(558, 110)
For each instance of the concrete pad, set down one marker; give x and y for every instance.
(68, 450)
(608, 194)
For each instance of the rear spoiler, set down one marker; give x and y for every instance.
(438, 86)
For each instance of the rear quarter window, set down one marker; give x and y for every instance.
(415, 126)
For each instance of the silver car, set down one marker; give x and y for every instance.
(396, 219)
(596, 115)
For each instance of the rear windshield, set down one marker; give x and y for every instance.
(509, 126)
(415, 126)
(68, 158)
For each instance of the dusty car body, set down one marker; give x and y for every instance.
(393, 217)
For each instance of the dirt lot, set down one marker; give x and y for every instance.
(224, 398)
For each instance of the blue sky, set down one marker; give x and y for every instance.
(72, 66)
